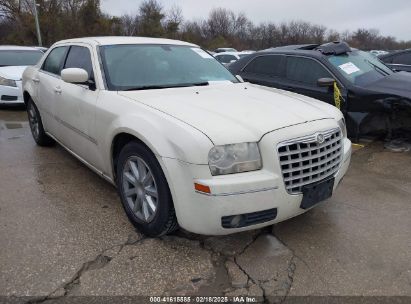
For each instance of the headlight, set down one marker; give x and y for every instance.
(7, 82)
(343, 127)
(234, 158)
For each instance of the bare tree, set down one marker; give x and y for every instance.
(221, 28)
(151, 18)
(129, 25)
(174, 20)
(221, 22)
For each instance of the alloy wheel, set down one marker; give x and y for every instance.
(140, 189)
(33, 121)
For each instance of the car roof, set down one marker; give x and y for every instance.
(312, 50)
(394, 53)
(17, 48)
(115, 40)
(290, 51)
(296, 47)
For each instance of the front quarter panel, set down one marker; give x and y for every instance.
(29, 86)
(165, 135)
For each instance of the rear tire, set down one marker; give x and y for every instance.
(36, 126)
(144, 191)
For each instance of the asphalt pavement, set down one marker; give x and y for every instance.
(64, 233)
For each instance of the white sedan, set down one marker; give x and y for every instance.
(184, 141)
(13, 62)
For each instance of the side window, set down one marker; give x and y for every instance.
(404, 58)
(272, 65)
(305, 70)
(387, 59)
(220, 58)
(54, 61)
(226, 58)
(80, 57)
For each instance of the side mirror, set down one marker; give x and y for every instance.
(233, 61)
(325, 82)
(75, 75)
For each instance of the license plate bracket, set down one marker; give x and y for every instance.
(316, 193)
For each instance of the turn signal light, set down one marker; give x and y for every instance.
(202, 188)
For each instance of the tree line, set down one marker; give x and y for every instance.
(63, 19)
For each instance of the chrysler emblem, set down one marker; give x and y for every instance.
(320, 138)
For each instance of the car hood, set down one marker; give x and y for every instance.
(233, 113)
(398, 84)
(12, 72)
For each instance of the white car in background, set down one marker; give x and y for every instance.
(13, 62)
(377, 53)
(183, 139)
(227, 58)
(223, 50)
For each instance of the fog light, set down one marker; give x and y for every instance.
(236, 221)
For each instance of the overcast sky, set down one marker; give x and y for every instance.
(391, 17)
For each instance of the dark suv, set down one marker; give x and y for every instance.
(374, 98)
(398, 61)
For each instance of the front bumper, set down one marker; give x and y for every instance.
(238, 193)
(11, 95)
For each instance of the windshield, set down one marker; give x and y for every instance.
(19, 58)
(133, 67)
(359, 67)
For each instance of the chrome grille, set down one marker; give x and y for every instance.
(305, 160)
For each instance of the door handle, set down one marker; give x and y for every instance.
(57, 90)
(35, 80)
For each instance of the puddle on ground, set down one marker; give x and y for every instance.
(13, 125)
(10, 130)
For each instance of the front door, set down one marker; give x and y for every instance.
(76, 109)
(302, 75)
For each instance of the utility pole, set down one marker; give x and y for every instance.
(36, 17)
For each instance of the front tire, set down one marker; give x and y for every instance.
(36, 126)
(144, 191)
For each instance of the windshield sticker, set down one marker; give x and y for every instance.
(202, 53)
(349, 68)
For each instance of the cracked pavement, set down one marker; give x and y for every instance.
(64, 233)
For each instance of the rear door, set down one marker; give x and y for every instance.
(267, 70)
(49, 87)
(302, 74)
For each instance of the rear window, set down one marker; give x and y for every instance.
(19, 58)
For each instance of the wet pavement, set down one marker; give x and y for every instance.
(64, 233)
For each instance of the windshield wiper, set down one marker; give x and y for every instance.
(158, 87)
(377, 68)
